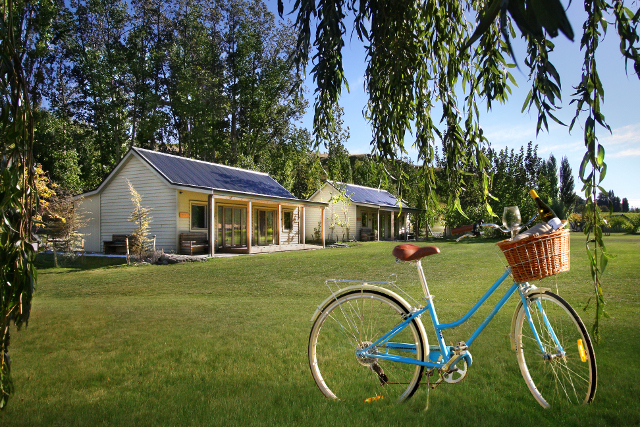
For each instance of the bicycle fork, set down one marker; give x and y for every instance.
(524, 296)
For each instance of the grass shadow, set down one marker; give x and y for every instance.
(45, 261)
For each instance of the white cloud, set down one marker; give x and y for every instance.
(631, 152)
(568, 147)
(508, 135)
(625, 135)
(623, 142)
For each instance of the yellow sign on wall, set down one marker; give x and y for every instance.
(184, 214)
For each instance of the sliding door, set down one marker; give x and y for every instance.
(232, 227)
(264, 227)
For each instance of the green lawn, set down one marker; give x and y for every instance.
(224, 342)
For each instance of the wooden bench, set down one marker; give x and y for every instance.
(367, 234)
(117, 244)
(194, 243)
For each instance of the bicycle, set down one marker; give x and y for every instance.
(367, 342)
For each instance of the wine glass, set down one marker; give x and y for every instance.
(511, 219)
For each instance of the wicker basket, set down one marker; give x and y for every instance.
(537, 257)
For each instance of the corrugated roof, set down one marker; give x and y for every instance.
(368, 195)
(196, 173)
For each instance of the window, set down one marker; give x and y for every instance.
(287, 220)
(198, 216)
(364, 219)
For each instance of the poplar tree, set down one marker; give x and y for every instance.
(567, 196)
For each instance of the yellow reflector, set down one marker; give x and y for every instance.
(373, 399)
(583, 354)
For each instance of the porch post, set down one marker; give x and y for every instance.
(212, 224)
(406, 227)
(378, 225)
(393, 223)
(249, 226)
(322, 216)
(279, 222)
(303, 239)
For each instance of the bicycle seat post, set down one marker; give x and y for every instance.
(423, 280)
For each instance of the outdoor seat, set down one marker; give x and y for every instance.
(194, 243)
(409, 252)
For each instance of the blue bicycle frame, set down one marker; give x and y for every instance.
(373, 351)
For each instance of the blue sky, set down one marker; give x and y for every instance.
(506, 126)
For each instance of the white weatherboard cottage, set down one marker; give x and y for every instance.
(369, 214)
(238, 210)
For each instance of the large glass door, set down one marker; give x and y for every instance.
(263, 227)
(385, 225)
(232, 227)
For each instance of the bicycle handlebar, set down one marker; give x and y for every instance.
(474, 229)
(463, 229)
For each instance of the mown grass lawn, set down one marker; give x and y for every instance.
(224, 342)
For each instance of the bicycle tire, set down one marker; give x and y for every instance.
(555, 379)
(355, 320)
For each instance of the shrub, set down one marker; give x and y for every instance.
(634, 224)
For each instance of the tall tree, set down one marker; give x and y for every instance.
(263, 88)
(100, 71)
(550, 173)
(614, 202)
(294, 165)
(510, 176)
(147, 44)
(567, 194)
(366, 171)
(185, 76)
(338, 164)
(63, 144)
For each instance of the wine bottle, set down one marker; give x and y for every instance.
(546, 213)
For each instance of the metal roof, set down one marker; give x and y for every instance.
(368, 195)
(196, 173)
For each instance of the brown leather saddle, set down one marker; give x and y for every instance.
(409, 252)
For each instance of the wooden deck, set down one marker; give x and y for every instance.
(267, 249)
(283, 248)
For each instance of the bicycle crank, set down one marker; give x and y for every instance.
(453, 374)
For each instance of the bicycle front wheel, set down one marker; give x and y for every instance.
(353, 322)
(563, 372)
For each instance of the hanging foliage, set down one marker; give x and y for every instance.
(17, 194)
(420, 54)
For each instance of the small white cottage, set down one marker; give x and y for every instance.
(360, 213)
(238, 210)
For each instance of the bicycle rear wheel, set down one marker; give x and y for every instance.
(556, 376)
(354, 321)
